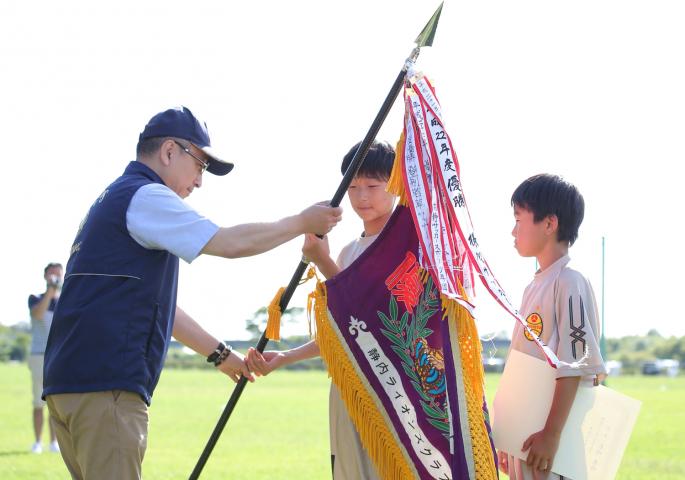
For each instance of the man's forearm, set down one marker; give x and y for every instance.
(253, 238)
(192, 335)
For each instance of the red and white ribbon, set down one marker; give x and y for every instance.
(449, 246)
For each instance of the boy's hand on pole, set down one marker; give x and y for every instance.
(263, 363)
(316, 249)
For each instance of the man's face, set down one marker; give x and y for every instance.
(187, 163)
(53, 273)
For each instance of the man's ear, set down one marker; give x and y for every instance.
(165, 152)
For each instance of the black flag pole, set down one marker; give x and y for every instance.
(425, 39)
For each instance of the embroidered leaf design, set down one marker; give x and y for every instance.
(413, 326)
(422, 319)
(403, 320)
(402, 353)
(410, 336)
(434, 412)
(393, 338)
(412, 374)
(393, 309)
(437, 416)
(441, 425)
(388, 324)
(420, 391)
(426, 332)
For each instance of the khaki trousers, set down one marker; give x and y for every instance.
(101, 435)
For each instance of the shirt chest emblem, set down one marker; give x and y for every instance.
(534, 322)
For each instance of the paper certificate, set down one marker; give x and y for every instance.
(596, 431)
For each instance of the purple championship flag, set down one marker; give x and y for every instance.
(408, 368)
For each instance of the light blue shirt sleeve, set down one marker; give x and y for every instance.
(158, 219)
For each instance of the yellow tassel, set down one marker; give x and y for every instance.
(311, 273)
(311, 298)
(273, 324)
(377, 438)
(396, 182)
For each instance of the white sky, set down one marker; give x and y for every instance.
(589, 90)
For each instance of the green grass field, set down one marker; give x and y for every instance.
(279, 429)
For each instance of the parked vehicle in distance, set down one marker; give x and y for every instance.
(661, 366)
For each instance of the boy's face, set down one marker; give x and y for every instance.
(369, 199)
(530, 238)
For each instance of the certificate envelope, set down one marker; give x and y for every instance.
(595, 434)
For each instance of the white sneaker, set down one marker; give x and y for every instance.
(54, 447)
(37, 448)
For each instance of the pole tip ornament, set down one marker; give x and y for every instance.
(425, 38)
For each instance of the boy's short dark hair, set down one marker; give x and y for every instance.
(547, 194)
(378, 161)
(51, 265)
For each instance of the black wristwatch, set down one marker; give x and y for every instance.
(220, 353)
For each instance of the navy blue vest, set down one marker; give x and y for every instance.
(113, 323)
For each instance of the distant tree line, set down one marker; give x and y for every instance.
(633, 351)
(14, 342)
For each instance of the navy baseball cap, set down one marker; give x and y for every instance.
(180, 122)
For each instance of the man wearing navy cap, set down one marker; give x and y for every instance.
(117, 312)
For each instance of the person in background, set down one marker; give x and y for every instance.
(42, 307)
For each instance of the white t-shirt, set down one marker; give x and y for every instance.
(352, 250)
(158, 219)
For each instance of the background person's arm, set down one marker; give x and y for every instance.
(39, 308)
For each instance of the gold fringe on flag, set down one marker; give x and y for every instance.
(373, 431)
(472, 365)
(474, 389)
(396, 182)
